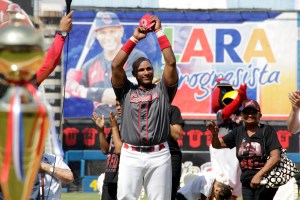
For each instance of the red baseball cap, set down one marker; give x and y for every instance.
(250, 103)
(145, 22)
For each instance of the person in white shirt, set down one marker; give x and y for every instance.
(53, 172)
(293, 120)
(207, 185)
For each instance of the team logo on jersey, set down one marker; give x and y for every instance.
(134, 98)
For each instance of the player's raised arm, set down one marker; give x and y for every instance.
(118, 73)
(54, 53)
(293, 120)
(170, 72)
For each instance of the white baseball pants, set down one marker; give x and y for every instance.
(153, 170)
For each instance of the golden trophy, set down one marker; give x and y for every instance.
(24, 121)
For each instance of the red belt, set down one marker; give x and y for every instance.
(144, 148)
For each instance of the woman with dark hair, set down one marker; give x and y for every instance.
(254, 142)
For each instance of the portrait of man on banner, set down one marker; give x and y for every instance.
(90, 77)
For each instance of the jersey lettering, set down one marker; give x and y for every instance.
(144, 98)
(112, 163)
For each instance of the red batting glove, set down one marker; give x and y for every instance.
(72, 84)
(235, 104)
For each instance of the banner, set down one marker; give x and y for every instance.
(256, 48)
(287, 5)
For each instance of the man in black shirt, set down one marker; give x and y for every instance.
(176, 124)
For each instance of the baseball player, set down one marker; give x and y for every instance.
(145, 156)
(92, 80)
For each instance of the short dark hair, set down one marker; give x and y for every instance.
(225, 192)
(136, 64)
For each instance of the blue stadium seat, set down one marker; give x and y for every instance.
(73, 155)
(82, 156)
(90, 155)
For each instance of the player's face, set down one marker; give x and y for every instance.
(110, 38)
(118, 108)
(145, 73)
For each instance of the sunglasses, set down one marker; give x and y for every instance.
(248, 112)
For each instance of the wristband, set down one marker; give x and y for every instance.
(128, 46)
(163, 42)
(133, 39)
(159, 33)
